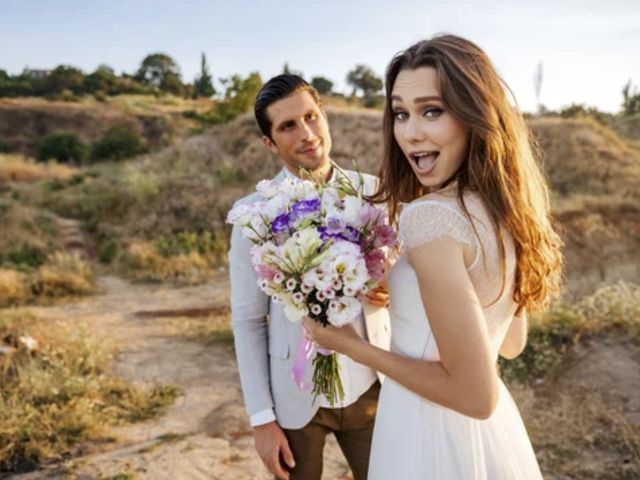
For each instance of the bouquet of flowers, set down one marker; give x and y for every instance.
(318, 247)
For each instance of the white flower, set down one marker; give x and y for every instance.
(345, 261)
(275, 206)
(278, 277)
(256, 229)
(241, 214)
(297, 297)
(295, 312)
(316, 309)
(343, 310)
(351, 212)
(309, 240)
(330, 198)
(292, 253)
(329, 293)
(291, 284)
(317, 278)
(267, 188)
(348, 291)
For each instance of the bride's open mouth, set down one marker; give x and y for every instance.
(424, 161)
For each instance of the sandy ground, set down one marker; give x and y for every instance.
(205, 434)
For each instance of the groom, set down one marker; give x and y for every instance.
(289, 428)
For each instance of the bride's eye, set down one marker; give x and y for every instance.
(400, 115)
(433, 112)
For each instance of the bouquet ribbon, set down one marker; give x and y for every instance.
(305, 353)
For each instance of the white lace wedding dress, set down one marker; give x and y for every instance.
(415, 438)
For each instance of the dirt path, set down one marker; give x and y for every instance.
(205, 433)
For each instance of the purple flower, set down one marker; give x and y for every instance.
(281, 223)
(304, 208)
(351, 234)
(335, 225)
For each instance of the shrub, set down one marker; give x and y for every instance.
(108, 252)
(65, 147)
(118, 143)
(26, 256)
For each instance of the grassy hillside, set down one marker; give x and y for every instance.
(162, 204)
(160, 122)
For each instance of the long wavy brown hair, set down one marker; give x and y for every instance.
(501, 166)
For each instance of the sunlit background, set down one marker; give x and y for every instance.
(588, 49)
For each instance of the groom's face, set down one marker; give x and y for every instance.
(300, 133)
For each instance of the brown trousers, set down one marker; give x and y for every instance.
(353, 428)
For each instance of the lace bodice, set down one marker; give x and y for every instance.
(428, 219)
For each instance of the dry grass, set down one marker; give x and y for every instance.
(63, 275)
(555, 333)
(63, 393)
(18, 168)
(142, 261)
(577, 434)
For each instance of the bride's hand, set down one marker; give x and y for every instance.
(379, 296)
(330, 337)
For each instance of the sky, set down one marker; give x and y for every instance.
(589, 49)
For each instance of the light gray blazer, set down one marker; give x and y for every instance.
(266, 342)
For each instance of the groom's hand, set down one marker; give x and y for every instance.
(271, 442)
(379, 296)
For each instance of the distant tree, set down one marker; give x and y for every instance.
(287, 70)
(203, 85)
(322, 84)
(239, 96)
(102, 80)
(578, 110)
(3, 75)
(160, 71)
(241, 92)
(537, 84)
(64, 77)
(363, 78)
(631, 100)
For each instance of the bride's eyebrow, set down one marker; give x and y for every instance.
(429, 98)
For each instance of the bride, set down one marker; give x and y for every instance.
(478, 251)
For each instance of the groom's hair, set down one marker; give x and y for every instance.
(275, 89)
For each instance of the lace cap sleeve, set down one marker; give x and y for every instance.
(429, 220)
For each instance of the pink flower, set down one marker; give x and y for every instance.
(375, 264)
(369, 214)
(265, 272)
(384, 236)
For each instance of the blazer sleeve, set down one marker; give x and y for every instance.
(249, 310)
